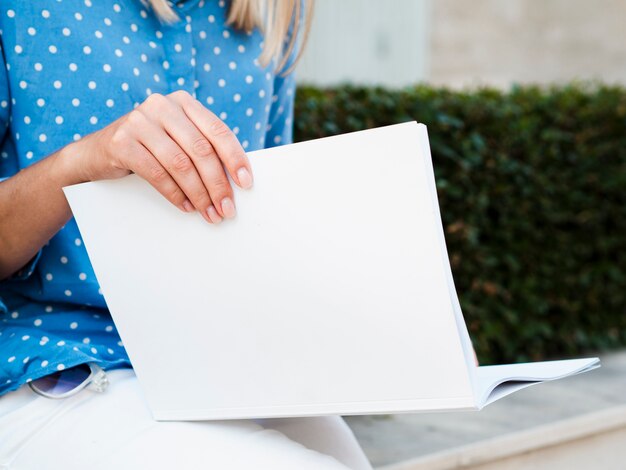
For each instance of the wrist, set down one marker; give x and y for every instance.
(70, 164)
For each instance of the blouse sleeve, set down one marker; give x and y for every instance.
(4, 124)
(8, 161)
(8, 166)
(280, 124)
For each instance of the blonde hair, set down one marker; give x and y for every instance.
(272, 17)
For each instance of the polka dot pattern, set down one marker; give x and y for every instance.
(71, 69)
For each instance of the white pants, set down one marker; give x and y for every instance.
(114, 430)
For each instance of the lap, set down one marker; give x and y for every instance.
(115, 430)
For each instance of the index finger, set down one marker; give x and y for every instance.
(227, 146)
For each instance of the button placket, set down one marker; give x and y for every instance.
(180, 55)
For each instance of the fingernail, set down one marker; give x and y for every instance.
(245, 178)
(228, 208)
(187, 206)
(213, 215)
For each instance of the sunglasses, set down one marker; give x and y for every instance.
(68, 382)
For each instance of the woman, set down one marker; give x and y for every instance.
(95, 90)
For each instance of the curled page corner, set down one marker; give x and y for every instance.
(498, 381)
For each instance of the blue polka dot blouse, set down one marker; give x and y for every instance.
(70, 68)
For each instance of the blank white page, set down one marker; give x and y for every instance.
(466, 342)
(327, 294)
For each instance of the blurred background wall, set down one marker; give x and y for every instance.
(458, 43)
(367, 41)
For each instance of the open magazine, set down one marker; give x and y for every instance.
(329, 293)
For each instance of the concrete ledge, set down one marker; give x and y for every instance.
(521, 442)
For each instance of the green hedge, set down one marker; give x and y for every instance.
(532, 188)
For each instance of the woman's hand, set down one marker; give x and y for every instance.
(172, 141)
(178, 146)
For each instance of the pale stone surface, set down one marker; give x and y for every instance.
(603, 451)
(396, 438)
(500, 42)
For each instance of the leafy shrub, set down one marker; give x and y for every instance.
(532, 188)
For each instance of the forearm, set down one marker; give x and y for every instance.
(33, 207)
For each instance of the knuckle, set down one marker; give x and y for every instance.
(180, 95)
(238, 155)
(219, 128)
(154, 99)
(220, 185)
(175, 195)
(157, 174)
(135, 118)
(202, 200)
(203, 148)
(120, 137)
(156, 103)
(181, 162)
